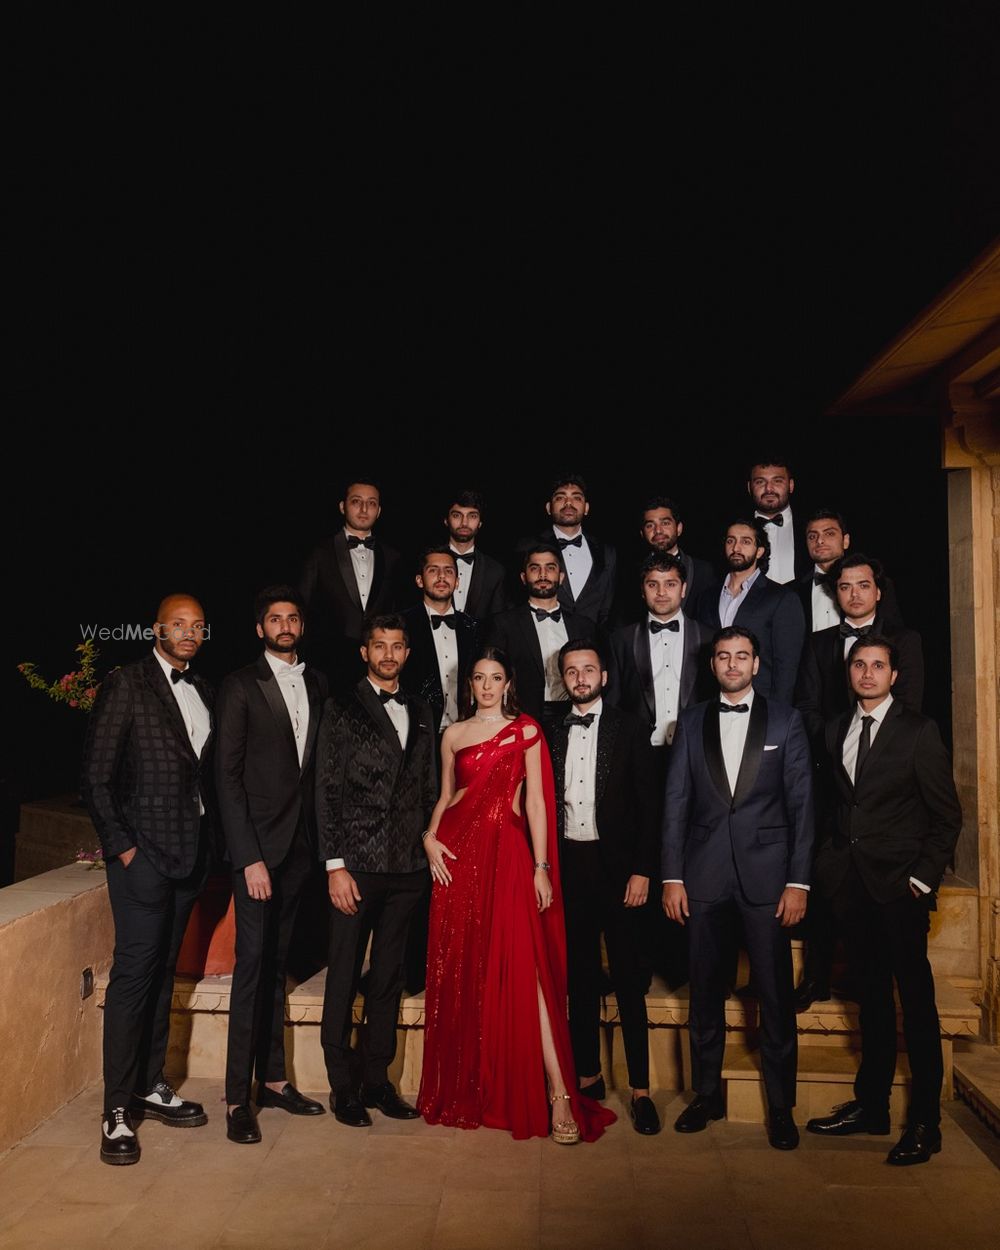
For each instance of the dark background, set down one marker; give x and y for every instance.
(250, 263)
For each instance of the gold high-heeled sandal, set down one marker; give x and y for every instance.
(565, 1132)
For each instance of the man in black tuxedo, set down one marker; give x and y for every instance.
(588, 589)
(749, 598)
(480, 591)
(532, 634)
(770, 485)
(827, 542)
(606, 810)
(662, 528)
(267, 720)
(376, 786)
(146, 784)
(738, 842)
(898, 819)
(348, 577)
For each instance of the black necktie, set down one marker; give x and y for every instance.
(778, 520)
(848, 631)
(656, 626)
(437, 621)
(570, 542)
(585, 721)
(864, 745)
(541, 614)
(386, 695)
(468, 556)
(354, 541)
(177, 675)
(733, 707)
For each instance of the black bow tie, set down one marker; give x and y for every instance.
(778, 520)
(467, 556)
(733, 707)
(177, 675)
(585, 721)
(437, 620)
(655, 626)
(819, 579)
(570, 542)
(848, 631)
(386, 696)
(354, 541)
(541, 614)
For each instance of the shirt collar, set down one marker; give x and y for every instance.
(747, 698)
(167, 668)
(744, 588)
(862, 624)
(677, 616)
(879, 713)
(785, 514)
(432, 612)
(280, 668)
(562, 533)
(378, 689)
(596, 709)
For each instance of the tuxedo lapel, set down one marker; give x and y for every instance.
(475, 585)
(644, 667)
(268, 685)
(842, 728)
(378, 573)
(689, 661)
(557, 745)
(607, 733)
(753, 750)
(884, 735)
(346, 566)
(527, 626)
(373, 705)
(712, 744)
(161, 688)
(315, 714)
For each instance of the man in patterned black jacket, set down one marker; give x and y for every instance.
(146, 773)
(376, 786)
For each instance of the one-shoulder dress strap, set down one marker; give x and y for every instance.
(529, 729)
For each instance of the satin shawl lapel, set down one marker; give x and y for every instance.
(373, 706)
(268, 684)
(475, 585)
(644, 667)
(842, 727)
(346, 566)
(607, 734)
(753, 750)
(597, 561)
(689, 663)
(378, 572)
(315, 715)
(161, 688)
(885, 733)
(558, 743)
(527, 626)
(712, 743)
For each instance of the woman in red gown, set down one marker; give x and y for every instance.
(496, 1040)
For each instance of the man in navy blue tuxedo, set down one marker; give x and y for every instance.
(737, 843)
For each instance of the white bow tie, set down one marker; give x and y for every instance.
(291, 670)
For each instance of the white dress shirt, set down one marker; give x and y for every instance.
(464, 571)
(197, 721)
(825, 611)
(363, 563)
(581, 780)
(446, 648)
(578, 560)
(292, 685)
(551, 636)
(666, 655)
(849, 641)
(730, 604)
(400, 718)
(781, 567)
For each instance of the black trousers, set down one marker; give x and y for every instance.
(711, 929)
(388, 900)
(887, 941)
(256, 1044)
(150, 912)
(593, 906)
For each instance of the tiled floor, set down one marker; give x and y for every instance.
(314, 1183)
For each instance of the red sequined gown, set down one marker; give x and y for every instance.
(489, 948)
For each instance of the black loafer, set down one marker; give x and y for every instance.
(164, 1104)
(781, 1130)
(644, 1117)
(850, 1117)
(695, 1117)
(810, 992)
(119, 1144)
(385, 1098)
(597, 1091)
(917, 1144)
(241, 1125)
(289, 1100)
(348, 1109)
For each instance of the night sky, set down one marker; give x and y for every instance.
(458, 259)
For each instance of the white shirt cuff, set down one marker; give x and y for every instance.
(671, 881)
(924, 889)
(334, 863)
(796, 885)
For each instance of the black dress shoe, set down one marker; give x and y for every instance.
(850, 1117)
(696, 1116)
(241, 1125)
(385, 1098)
(597, 1090)
(810, 992)
(348, 1108)
(119, 1144)
(781, 1130)
(917, 1144)
(164, 1104)
(289, 1100)
(644, 1117)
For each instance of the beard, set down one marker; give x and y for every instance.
(739, 563)
(283, 644)
(580, 695)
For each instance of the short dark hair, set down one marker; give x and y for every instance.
(779, 460)
(549, 549)
(467, 499)
(385, 621)
(876, 640)
(279, 593)
(581, 644)
(853, 560)
(660, 562)
(661, 501)
(828, 514)
(735, 631)
(359, 479)
(568, 479)
(434, 549)
(755, 524)
(466, 708)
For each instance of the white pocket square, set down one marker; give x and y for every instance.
(774, 748)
